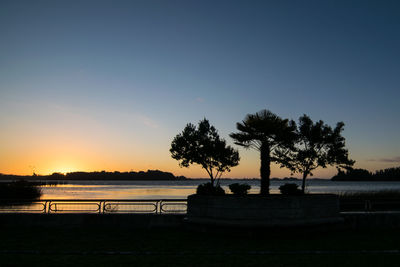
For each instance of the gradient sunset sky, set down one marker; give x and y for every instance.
(106, 85)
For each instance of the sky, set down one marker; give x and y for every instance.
(106, 85)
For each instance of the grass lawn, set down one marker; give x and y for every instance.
(165, 247)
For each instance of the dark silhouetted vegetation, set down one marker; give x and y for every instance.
(290, 189)
(239, 189)
(210, 190)
(371, 195)
(202, 145)
(103, 175)
(390, 174)
(317, 145)
(18, 190)
(267, 133)
(382, 200)
(356, 174)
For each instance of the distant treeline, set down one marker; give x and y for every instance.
(103, 175)
(390, 174)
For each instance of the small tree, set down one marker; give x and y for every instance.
(267, 133)
(202, 145)
(317, 146)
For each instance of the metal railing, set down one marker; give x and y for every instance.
(155, 206)
(138, 206)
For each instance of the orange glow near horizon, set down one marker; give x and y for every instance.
(61, 138)
(68, 141)
(246, 170)
(51, 150)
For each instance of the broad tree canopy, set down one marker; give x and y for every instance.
(202, 145)
(317, 145)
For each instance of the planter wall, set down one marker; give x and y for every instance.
(255, 210)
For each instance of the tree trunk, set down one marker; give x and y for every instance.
(212, 180)
(210, 174)
(303, 184)
(265, 169)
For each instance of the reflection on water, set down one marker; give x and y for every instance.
(181, 189)
(113, 192)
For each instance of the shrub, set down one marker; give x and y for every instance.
(290, 189)
(20, 190)
(239, 189)
(209, 189)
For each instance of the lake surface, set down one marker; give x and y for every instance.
(181, 189)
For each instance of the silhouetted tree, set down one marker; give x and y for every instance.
(318, 145)
(389, 174)
(267, 133)
(202, 145)
(352, 174)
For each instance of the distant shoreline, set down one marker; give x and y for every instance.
(357, 175)
(153, 175)
(51, 180)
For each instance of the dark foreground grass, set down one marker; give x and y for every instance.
(120, 247)
(371, 195)
(214, 261)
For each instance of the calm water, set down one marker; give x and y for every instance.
(181, 189)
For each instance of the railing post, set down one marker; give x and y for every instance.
(368, 206)
(48, 206)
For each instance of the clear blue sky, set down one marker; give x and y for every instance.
(98, 85)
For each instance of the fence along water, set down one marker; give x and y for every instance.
(156, 206)
(139, 206)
